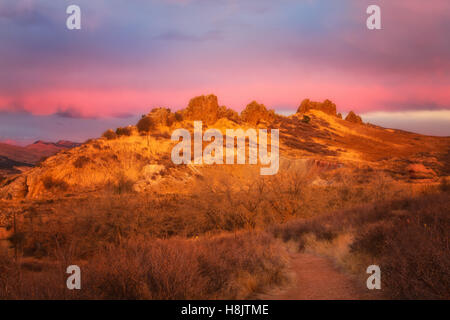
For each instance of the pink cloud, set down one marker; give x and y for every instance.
(403, 66)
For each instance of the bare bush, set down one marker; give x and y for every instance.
(408, 238)
(225, 267)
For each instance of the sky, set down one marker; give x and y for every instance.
(133, 55)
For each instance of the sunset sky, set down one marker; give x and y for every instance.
(131, 56)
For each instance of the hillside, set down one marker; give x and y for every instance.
(34, 152)
(46, 149)
(347, 195)
(8, 166)
(141, 163)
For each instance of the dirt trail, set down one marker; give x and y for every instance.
(315, 277)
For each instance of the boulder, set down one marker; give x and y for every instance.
(141, 186)
(150, 175)
(149, 172)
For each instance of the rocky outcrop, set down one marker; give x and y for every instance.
(150, 171)
(419, 171)
(150, 175)
(207, 110)
(14, 188)
(327, 107)
(202, 108)
(256, 113)
(353, 117)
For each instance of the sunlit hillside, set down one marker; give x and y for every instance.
(118, 202)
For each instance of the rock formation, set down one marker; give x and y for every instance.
(206, 109)
(353, 117)
(255, 113)
(419, 171)
(327, 107)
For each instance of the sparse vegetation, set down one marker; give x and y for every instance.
(123, 185)
(408, 238)
(224, 267)
(114, 237)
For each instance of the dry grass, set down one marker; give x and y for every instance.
(149, 246)
(96, 165)
(223, 267)
(219, 203)
(407, 238)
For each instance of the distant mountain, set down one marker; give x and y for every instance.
(45, 149)
(32, 153)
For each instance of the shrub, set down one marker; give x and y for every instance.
(372, 241)
(109, 134)
(124, 131)
(123, 185)
(178, 116)
(145, 124)
(81, 162)
(51, 183)
(444, 186)
(306, 119)
(225, 267)
(408, 238)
